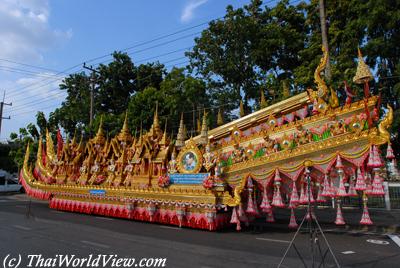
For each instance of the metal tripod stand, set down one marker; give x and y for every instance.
(314, 229)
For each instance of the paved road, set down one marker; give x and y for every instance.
(49, 232)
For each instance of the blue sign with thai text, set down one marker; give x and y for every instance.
(97, 192)
(188, 178)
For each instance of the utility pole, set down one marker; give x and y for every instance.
(93, 85)
(1, 110)
(324, 33)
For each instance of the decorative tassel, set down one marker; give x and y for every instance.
(339, 217)
(365, 219)
(250, 205)
(352, 191)
(377, 187)
(257, 212)
(235, 219)
(303, 198)
(311, 196)
(292, 224)
(360, 183)
(242, 215)
(369, 190)
(270, 216)
(389, 152)
(277, 176)
(341, 190)
(339, 162)
(332, 190)
(325, 191)
(265, 205)
(294, 197)
(277, 199)
(320, 197)
(378, 158)
(370, 158)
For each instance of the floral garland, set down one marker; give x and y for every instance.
(164, 181)
(208, 183)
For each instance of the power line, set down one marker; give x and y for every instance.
(122, 50)
(131, 47)
(139, 51)
(29, 65)
(61, 92)
(125, 49)
(26, 72)
(58, 93)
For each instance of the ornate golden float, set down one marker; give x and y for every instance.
(228, 175)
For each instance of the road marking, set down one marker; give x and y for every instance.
(395, 239)
(20, 206)
(22, 227)
(348, 252)
(378, 242)
(57, 211)
(105, 218)
(170, 227)
(95, 244)
(272, 240)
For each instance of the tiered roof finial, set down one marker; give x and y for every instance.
(27, 152)
(220, 119)
(156, 123)
(363, 74)
(140, 141)
(198, 123)
(286, 90)
(73, 142)
(50, 148)
(163, 141)
(99, 138)
(180, 138)
(125, 135)
(204, 128)
(241, 109)
(263, 102)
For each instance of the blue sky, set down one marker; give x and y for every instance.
(56, 35)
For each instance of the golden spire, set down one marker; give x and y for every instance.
(51, 157)
(73, 142)
(263, 102)
(204, 133)
(27, 152)
(198, 123)
(163, 141)
(220, 119)
(156, 123)
(80, 145)
(125, 135)
(241, 109)
(185, 133)
(99, 138)
(140, 141)
(286, 91)
(180, 138)
(363, 74)
(39, 151)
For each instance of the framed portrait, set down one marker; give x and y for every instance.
(189, 159)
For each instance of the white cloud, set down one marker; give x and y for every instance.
(188, 10)
(25, 33)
